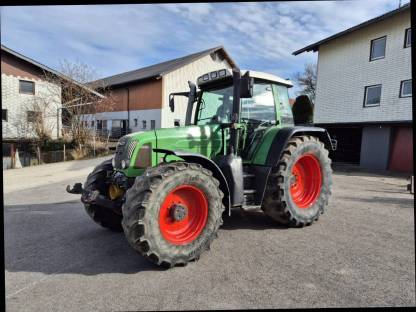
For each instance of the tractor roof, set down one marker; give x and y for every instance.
(267, 76)
(224, 75)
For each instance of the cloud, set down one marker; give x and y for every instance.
(118, 38)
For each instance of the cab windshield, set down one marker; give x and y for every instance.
(215, 105)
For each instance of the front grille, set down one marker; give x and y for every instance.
(130, 149)
(120, 152)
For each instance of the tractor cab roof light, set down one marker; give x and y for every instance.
(214, 75)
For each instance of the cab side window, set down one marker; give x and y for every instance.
(284, 111)
(260, 107)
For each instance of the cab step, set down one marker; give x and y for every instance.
(247, 192)
(251, 208)
(248, 175)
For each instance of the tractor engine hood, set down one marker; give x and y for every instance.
(130, 148)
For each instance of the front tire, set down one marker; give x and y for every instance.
(173, 212)
(300, 185)
(96, 180)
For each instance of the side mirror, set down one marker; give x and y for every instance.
(171, 102)
(191, 100)
(246, 86)
(192, 91)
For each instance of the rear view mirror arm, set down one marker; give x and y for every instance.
(172, 101)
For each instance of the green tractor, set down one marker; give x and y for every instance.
(168, 189)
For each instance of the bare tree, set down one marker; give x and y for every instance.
(41, 116)
(80, 100)
(36, 117)
(307, 81)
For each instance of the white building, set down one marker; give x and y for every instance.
(27, 94)
(364, 91)
(142, 95)
(23, 88)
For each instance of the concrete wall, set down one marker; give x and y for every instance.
(177, 81)
(344, 70)
(375, 147)
(48, 97)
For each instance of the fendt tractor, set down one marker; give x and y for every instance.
(169, 189)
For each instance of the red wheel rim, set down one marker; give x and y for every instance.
(183, 214)
(306, 181)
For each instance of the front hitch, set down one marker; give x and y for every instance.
(95, 198)
(77, 189)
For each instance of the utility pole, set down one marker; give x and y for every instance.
(128, 111)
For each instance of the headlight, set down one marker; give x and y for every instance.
(113, 162)
(144, 157)
(123, 164)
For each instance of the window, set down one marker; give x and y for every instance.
(177, 122)
(406, 88)
(92, 123)
(215, 106)
(372, 95)
(135, 122)
(378, 48)
(143, 124)
(152, 124)
(4, 114)
(408, 38)
(260, 107)
(282, 99)
(33, 116)
(26, 87)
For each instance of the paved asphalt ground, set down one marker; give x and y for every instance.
(360, 253)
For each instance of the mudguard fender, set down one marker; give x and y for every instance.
(206, 163)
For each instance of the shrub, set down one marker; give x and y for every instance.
(56, 145)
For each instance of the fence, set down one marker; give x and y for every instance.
(31, 155)
(32, 159)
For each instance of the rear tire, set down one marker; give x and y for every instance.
(96, 180)
(148, 213)
(299, 186)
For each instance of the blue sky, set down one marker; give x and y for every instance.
(115, 38)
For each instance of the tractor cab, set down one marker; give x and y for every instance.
(264, 98)
(264, 103)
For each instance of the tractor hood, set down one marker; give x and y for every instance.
(134, 152)
(204, 139)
